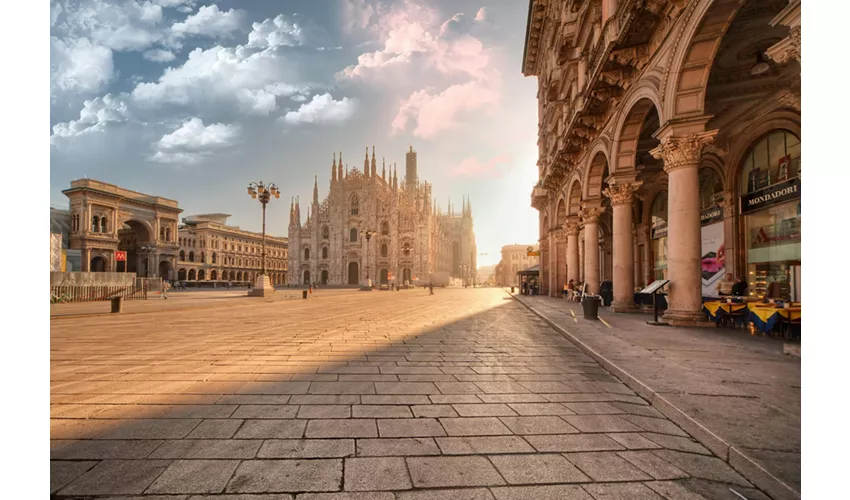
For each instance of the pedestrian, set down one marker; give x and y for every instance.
(165, 286)
(430, 288)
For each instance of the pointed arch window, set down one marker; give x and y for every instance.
(103, 224)
(385, 228)
(352, 235)
(324, 252)
(306, 254)
(326, 233)
(384, 250)
(355, 204)
(214, 257)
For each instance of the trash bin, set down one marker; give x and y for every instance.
(303, 294)
(117, 304)
(512, 289)
(590, 305)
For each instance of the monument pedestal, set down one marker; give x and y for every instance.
(262, 287)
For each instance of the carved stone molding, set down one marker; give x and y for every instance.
(727, 204)
(590, 215)
(560, 236)
(544, 245)
(790, 99)
(677, 152)
(571, 228)
(786, 49)
(622, 194)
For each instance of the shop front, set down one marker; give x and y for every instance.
(770, 219)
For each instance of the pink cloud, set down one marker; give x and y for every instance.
(434, 112)
(475, 168)
(412, 32)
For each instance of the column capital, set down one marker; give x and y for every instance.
(622, 194)
(590, 212)
(571, 226)
(727, 204)
(560, 236)
(544, 245)
(683, 151)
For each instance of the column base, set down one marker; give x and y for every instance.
(623, 307)
(262, 287)
(687, 318)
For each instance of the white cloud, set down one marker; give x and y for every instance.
(159, 55)
(95, 116)
(176, 3)
(193, 142)
(434, 113)
(210, 21)
(356, 14)
(77, 66)
(322, 109)
(481, 15)
(274, 33)
(223, 79)
(131, 25)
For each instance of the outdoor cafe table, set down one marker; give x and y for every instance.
(767, 316)
(717, 309)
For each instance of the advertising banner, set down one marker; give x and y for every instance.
(713, 257)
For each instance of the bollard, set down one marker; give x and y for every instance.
(117, 304)
(303, 294)
(512, 289)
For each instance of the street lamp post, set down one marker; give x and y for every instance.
(368, 287)
(263, 193)
(148, 249)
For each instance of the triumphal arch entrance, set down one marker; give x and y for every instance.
(109, 223)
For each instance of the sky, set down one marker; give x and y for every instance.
(193, 99)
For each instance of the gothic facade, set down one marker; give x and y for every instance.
(379, 228)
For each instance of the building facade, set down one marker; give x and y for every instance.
(669, 133)
(212, 253)
(379, 228)
(105, 219)
(515, 258)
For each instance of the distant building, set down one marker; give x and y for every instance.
(213, 252)
(411, 239)
(515, 258)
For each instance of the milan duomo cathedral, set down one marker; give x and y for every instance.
(375, 227)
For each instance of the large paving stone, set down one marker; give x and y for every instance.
(376, 474)
(117, 477)
(194, 476)
(258, 476)
(436, 472)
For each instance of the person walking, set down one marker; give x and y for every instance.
(165, 286)
(430, 288)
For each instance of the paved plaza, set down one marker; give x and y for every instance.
(466, 394)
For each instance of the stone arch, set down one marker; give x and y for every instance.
(594, 175)
(354, 204)
(574, 197)
(201, 275)
(239, 276)
(560, 212)
(385, 228)
(214, 275)
(631, 127)
(384, 250)
(353, 273)
(306, 253)
(352, 235)
(324, 279)
(383, 277)
(324, 252)
(98, 264)
(143, 229)
(165, 270)
(326, 233)
(181, 274)
(192, 275)
(306, 277)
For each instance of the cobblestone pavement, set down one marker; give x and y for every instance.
(384, 395)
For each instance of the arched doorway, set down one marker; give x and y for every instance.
(306, 277)
(201, 275)
(214, 275)
(324, 276)
(165, 270)
(97, 265)
(353, 273)
(384, 277)
(132, 236)
(181, 274)
(405, 275)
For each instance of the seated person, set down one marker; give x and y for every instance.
(739, 289)
(726, 284)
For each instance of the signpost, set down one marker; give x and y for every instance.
(121, 256)
(653, 289)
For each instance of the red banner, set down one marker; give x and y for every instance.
(120, 256)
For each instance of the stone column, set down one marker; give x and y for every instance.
(729, 240)
(624, 273)
(546, 288)
(573, 271)
(560, 270)
(590, 212)
(553, 263)
(681, 156)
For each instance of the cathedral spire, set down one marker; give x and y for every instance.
(374, 163)
(366, 163)
(291, 210)
(384, 168)
(333, 170)
(395, 178)
(339, 167)
(316, 190)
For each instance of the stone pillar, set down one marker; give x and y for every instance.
(624, 273)
(590, 212)
(552, 264)
(573, 271)
(546, 288)
(560, 270)
(681, 156)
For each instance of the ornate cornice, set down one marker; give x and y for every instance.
(677, 152)
(622, 194)
(786, 49)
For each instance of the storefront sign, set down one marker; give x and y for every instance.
(533, 254)
(770, 196)
(710, 216)
(120, 256)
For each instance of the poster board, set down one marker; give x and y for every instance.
(713, 257)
